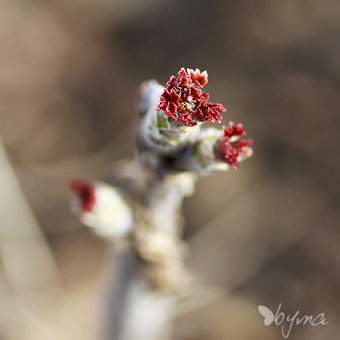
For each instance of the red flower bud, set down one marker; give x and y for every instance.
(85, 194)
(233, 148)
(184, 101)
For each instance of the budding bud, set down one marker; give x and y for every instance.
(158, 131)
(101, 207)
(203, 156)
(217, 150)
(233, 148)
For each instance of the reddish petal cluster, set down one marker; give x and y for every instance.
(85, 193)
(231, 148)
(184, 101)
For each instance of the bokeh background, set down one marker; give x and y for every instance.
(265, 234)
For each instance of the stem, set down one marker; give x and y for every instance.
(135, 308)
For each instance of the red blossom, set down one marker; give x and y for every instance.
(85, 193)
(198, 77)
(169, 102)
(233, 146)
(183, 100)
(186, 119)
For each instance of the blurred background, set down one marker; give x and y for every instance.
(267, 233)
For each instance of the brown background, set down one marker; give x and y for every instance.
(266, 234)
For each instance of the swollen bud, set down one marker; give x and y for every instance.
(101, 207)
